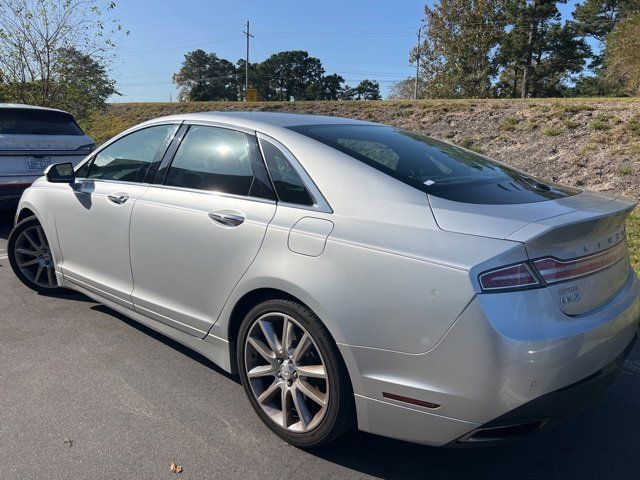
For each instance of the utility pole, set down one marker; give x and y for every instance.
(415, 86)
(246, 66)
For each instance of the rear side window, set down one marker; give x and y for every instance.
(288, 184)
(216, 159)
(128, 159)
(435, 167)
(24, 121)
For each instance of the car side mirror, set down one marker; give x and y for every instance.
(60, 173)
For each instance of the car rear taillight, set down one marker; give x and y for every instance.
(507, 278)
(90, 147)
(552, 270)
(546, 271)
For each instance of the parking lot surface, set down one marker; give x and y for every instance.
(87, 393)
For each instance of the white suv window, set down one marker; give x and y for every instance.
(26, 121)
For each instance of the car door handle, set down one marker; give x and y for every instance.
(118, 198)
(227, 219)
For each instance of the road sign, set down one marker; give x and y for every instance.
(252, 94)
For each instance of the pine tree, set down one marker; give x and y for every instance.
(538, 54)
(597, 18)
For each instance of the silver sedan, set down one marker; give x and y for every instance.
(351, 273)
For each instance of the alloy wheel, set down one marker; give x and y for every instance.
(287, 374)
(33, 257)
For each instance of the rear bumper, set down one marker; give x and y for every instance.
(505, 362)
(12, 187)
(549, 409)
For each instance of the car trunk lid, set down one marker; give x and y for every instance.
(577, 244)
(31, 154)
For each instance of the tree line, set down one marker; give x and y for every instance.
(524, 48)
(56, 53)
(284, 76)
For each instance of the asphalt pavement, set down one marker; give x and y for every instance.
(86, 393)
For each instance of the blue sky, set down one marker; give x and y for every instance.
(354, 38)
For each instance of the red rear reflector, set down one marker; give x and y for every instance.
(553, 271)
(412, 401)
(515, 276)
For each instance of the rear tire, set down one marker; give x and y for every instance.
(30, 256)
(294, 375)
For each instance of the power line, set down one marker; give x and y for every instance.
(148, 50)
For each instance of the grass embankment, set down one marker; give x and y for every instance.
(589, 143)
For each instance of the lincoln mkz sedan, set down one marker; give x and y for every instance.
(31, 139)
(351, 273)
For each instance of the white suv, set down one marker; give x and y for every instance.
(31, 139)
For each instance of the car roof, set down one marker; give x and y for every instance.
(256, 120)
(30, 107)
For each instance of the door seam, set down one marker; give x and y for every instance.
(224, 305)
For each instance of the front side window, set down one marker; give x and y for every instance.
(288, 184)
(128, 159)
(214, 159)
(435, 167)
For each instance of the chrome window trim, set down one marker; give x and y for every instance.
(115, 182)
(212, 123)
(321, 204)
(212, 193)
(181, 189)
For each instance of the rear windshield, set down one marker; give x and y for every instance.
(435, 167)
(21, 121)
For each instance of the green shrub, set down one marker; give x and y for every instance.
(509, 124)
(571, 124)
(575, 108)
(625, 170)
(600, 125)
(470, 144)
(633, 126)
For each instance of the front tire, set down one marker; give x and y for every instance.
(30, 256)
(293, 374)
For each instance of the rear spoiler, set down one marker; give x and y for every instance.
(577, 233)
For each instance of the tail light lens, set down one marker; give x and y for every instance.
(550, 270)
(553, 271)
(514, 276)
(89, 147)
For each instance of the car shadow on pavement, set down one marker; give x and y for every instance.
(164, 339)
(6, 222)
(600, 443)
